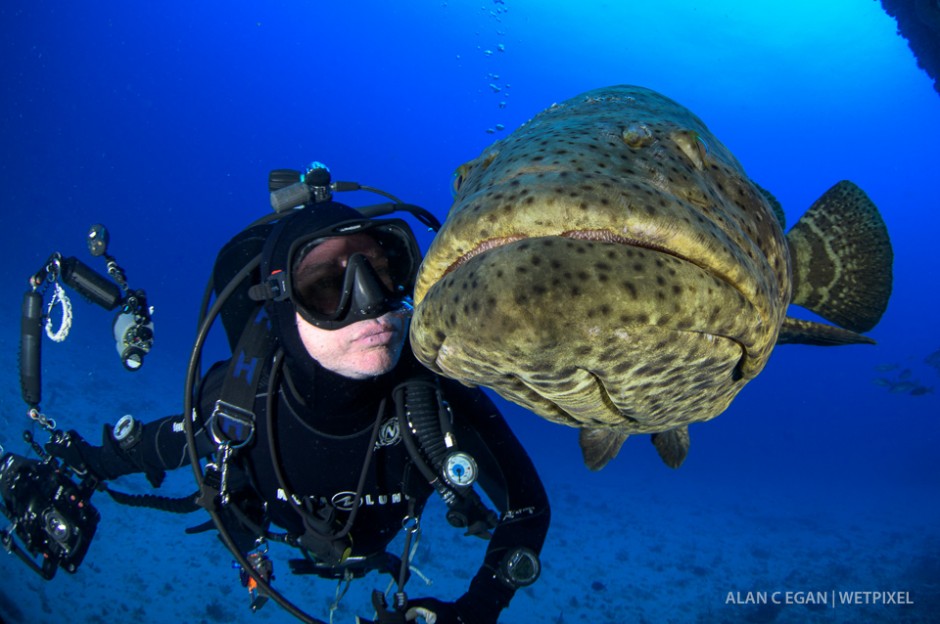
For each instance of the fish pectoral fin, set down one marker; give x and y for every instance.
(842, 259)
(672, 445)
(599, 446)
(796, 331)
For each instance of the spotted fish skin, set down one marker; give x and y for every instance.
(611, 267)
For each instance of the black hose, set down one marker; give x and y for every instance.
(185, 504)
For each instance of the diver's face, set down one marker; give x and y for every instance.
(359, 351)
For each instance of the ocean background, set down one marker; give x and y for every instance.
(162, 120)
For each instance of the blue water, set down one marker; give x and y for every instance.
(161, 120)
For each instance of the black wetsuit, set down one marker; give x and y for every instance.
(324, 425)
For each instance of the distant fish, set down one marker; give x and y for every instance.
(904, 384)
(884, 368)
(904, 387)
(933, 360)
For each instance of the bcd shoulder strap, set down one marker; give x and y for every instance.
(233, 418)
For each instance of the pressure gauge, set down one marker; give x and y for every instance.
(127, 432)
(460, 470)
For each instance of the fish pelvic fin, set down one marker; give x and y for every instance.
(842, 259)
(599, 446)
(796, 331)
(672, 445)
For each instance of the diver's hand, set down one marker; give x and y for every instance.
(419, 610)
(434, 611)
(72, 449)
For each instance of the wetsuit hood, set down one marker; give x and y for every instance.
(275, 257)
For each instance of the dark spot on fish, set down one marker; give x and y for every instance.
(622, 367)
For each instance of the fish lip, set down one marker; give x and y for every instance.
(602, 236)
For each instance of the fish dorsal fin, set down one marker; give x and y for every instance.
(599, 446)
(842, 259)
(796, 331)
(672, 445)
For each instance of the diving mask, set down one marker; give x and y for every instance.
(352, 272)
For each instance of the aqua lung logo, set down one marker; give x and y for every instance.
(345, 501)
(389, 435)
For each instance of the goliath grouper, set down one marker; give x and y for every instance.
(611, 267)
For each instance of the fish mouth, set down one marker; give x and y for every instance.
(614, 281)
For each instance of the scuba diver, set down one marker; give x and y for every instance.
(322, 431)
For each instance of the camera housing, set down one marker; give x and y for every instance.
(51, 514)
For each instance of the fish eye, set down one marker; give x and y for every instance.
(693, 146)
(460, 175)
(703, 144)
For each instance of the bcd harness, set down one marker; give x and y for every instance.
(425, 423)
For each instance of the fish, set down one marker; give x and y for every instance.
(904, 387)
(610, 266)
(933, 360)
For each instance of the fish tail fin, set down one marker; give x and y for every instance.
(842, 259)
(599, 446)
